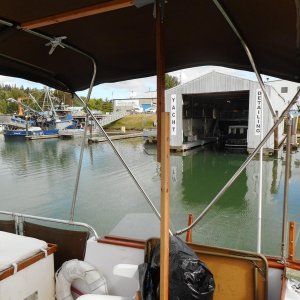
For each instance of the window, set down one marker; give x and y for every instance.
(284, 89)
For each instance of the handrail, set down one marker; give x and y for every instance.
(19, 215)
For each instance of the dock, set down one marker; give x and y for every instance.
(194, 144)
(41, 137)
(115, 137)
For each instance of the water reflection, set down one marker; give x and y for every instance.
(232, 222)
(49, 153)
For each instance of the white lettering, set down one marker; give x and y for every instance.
(173, 114)
(259, 112)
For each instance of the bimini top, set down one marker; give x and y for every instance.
(120, 36)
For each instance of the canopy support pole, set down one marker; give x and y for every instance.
(286, 189)
(165, 207)
(72, 211)
(260, 182)
(160, 67)
(163, 151)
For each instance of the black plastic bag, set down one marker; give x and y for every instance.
(189, 277)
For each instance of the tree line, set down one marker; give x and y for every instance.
(9, 91)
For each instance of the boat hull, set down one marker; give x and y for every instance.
(22, 134)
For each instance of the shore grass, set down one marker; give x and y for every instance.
(134, 122)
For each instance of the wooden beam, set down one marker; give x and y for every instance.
(78, 13)
(163, 156)
(165, 206)
(160, 66)
(292, 240)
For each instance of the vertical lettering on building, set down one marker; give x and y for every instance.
(173, 126)
(258, 112)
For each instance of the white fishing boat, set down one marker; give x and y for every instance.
(71, 45)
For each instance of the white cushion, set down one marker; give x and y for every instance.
(15, 248)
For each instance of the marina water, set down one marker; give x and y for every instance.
(38, 178)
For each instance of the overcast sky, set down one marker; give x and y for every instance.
(126, 89)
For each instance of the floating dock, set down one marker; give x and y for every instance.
(41, 137)
(194, 144)
(115, 137)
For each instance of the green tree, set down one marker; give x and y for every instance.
(99, 104)
(171, 81)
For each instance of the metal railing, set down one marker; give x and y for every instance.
(113, 117)
(19, 218)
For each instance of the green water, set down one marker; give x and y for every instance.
(38, 178)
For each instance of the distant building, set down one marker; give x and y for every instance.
(138, 103)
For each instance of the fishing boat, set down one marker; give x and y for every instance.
(38, 124)
(71, 46)
(32, 125)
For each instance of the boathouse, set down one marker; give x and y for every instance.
(216, 105)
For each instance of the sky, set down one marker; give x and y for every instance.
(132, 88)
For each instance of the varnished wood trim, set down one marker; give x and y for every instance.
(27, 262)
(283, 288)
(78, 13)
(292, 240)
(189, 233)
(165, 206)
(121, 241)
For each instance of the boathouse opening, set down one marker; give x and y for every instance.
(212, 117)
